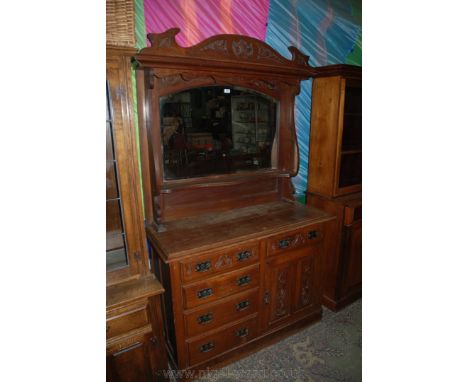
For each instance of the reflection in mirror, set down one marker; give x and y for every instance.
(216, 130)
(116, 246)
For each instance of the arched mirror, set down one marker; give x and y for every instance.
(217, 130)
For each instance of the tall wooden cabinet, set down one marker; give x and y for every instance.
(335, 176)
(135, 348)
(239, 259)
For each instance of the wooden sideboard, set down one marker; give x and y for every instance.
(239, 259)
(237, 280)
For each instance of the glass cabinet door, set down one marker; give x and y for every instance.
(351, 144)
(116, 243)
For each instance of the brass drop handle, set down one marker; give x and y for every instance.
(205, 318)
(242, 332)
(244, 280)
(242, 305)
(206, 347)
(312, 234)
(266, 297)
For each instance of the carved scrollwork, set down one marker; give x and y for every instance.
(268, 54)
(281, 294)
(305, 287)
(171, 80)
(264, 84)
(242, 49)
(217, 46)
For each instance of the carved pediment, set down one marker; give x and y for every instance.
(223, 48)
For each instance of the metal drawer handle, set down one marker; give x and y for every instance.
(205, 318)
(242, 332)
(244, 280)
(266, 297)
(312, 234)
(285, 243)
(203, 267)
(206, 347)
(242, 305)
(205, 293)
(244, 255)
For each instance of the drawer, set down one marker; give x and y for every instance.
(220, 313)
(294, 239)
(221, 286)
(126, 322)
(213, 263)
(212, 345)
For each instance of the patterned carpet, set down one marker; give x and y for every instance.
(327, 351)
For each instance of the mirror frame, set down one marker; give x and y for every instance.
(223, 60)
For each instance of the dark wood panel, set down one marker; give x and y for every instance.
(185, 203)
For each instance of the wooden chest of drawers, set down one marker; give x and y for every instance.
(234, 281)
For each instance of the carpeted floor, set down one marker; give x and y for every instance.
(327, 351)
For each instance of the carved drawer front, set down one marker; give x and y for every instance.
(126, 322)
(220, 313)
(221, 286)
(294, 239)
(213, 263)
(212, 345)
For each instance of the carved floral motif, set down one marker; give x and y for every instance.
(242, 49)
(223, 261)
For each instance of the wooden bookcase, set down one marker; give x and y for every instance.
(335, 176)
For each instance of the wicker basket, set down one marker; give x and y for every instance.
(120, 23)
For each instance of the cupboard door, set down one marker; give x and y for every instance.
(279, 294)
(307, 283)
(292, 286)
(134, 363)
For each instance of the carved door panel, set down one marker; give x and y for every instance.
(307, 284)
(136, 362)
(278, 298)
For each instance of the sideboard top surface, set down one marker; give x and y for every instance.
(129, 291)
(193, 235)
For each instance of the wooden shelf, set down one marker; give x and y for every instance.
(348, 152)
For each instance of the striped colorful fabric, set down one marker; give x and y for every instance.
(200, 19)
(329, 31)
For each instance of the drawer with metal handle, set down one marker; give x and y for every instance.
(221, 312)
(294, 239)
(223, 285)
(204, 266)
(211, 345)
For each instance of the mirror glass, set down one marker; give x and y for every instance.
(216, 130)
